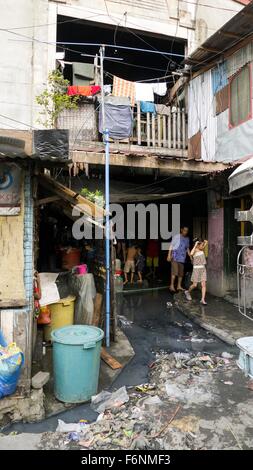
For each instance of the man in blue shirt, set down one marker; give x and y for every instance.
(179, 248)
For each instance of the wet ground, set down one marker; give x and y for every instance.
(151, 326)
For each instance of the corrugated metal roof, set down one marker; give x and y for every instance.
(231, 34)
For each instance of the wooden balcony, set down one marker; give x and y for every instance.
(164, 134)
(167, 130)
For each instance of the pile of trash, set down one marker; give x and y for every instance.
(171, 363)
(142, 417)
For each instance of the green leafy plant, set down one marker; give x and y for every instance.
(96, 196)
(54, 99)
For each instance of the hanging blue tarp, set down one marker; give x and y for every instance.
(219, 77)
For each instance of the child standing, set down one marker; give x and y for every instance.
(140, 264)
(199, 269)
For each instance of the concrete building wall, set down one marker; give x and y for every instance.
(24, 62)
(30, 25)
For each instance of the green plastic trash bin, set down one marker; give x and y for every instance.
(76, 362)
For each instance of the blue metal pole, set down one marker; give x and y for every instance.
(107, 209)
(107, 237)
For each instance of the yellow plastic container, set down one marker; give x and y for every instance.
(62, 314)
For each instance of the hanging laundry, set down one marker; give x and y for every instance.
(117, 100)
(144, 92)
(124, 88)
(90, 90)
(107, 89)
(147, 107)
(163, 109)
(118, 121)
(160, 88)
(82, 73)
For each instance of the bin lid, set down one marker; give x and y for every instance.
(246, 344)
(77, 334)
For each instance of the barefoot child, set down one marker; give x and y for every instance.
(199, 269)
(130, 264)
(140, 264)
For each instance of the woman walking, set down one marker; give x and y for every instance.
(199, 269)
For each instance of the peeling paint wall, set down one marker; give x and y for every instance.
(215, 265)
(16, 323)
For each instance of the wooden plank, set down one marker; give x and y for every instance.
(164, 132)
(153, 131)
(148, 129)
(229, 34)
(178, 128)
(12, 289)
(159, 130)
(211, 49)
(47, 200)
(98, 303)
(138, 123)
(69, 195)
(169, 128)
(7, 325)
(22, 336)
(174, 128)
(109, 360)
(176, 160)
(183, 129)
(20, 302)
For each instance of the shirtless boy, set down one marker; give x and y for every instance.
(130, 263)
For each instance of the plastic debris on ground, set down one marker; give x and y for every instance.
(106, 400)
(71, 427)
(148, 415)
(123, 321)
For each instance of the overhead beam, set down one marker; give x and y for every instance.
(169, 164)
(210, 49)
(229, 34)
(47, 200)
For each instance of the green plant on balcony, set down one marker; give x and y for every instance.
(93, 196)
(54, 99)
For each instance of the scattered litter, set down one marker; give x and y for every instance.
(154, 400)
(86, 443)
(250, 385)
(124, 321)
(169, 304)
(74, 436)
(151, 415)
(106, 400)
(145, 388)
(227, 355)
(140, 443)
(69, 427)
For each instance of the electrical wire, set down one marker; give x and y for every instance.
(19, 122)
(138, 66)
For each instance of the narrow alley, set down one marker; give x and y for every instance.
(126, 231)
(215, 403)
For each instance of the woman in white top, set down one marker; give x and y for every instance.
(199, 269)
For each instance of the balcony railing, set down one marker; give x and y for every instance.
(161, 132)
(166, 130)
